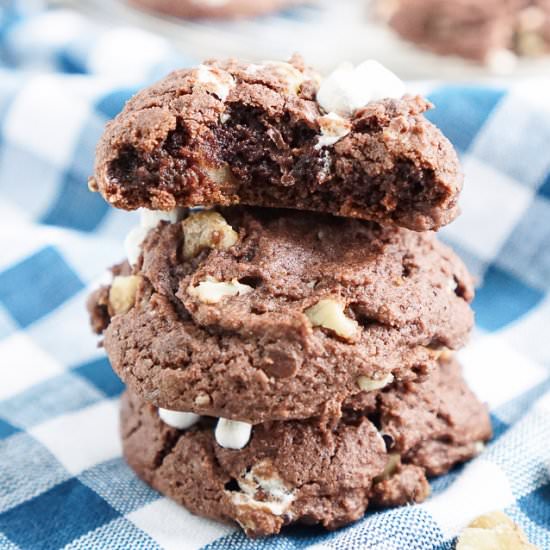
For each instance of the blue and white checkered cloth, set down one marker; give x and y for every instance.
(63, 483)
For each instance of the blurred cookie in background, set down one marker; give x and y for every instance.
(493, 32)
(225, 9)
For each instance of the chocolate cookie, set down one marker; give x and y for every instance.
(275, 135)
(262, 314)
(309, 471)
(225, 9)
(481, 31)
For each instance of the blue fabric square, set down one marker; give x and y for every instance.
(56, 517)
(111, 104)
(27, 468)
(452, 104)
(101, 375)
(526, 252)
(117, 483)
(544, 189)
(7, 429)
(536, 506)
(75, 206)
(46, 400)
(499, 427)
(502, 299)
(37, 285)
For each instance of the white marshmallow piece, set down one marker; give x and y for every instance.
(149, 219)
(216, 81)
(177, 419)
(333, 129)
(348, 89)
(132, 243)
(232, 434)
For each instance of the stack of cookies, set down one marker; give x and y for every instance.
(285, 317)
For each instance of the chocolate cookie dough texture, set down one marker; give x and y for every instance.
(493, 31)
(257, 315)
(225, 9)
(310, 471)
(276, 135)
(287, 347)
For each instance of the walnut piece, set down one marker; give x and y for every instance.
(206, 229)
(370, 384)
(493, 531)
(211, 291)
(329, 313)
(122, 294)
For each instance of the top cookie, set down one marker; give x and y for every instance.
(275, 135)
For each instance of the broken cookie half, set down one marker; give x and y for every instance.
(278, 135)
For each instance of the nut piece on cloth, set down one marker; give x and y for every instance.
(493, 531)
(230, 132)
(232, 324)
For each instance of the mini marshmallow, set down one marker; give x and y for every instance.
(232, 434)
(149, 219)
(348, 89)
(333, 128)
(132, 243)
(178, 419)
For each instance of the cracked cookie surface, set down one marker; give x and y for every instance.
(311, 471)
(230, 132)
(290, 321)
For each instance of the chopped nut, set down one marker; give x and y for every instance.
(206, 229)
(370, 384)
(122, 294)
(330, 314)
(202, 400)
(211, 291)
(394, 461)
(493, 531)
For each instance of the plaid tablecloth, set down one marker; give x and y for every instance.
(63, 482)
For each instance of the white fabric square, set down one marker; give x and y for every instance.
(482, 487)
(46, 119)
(498, 142)
(529, 334)
(496, 372)
(24, 364)
(84, 438)
(23, 175)
(75, 343)
(174, 528)
(490, 196)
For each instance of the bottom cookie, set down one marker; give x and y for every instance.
(312, 471)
